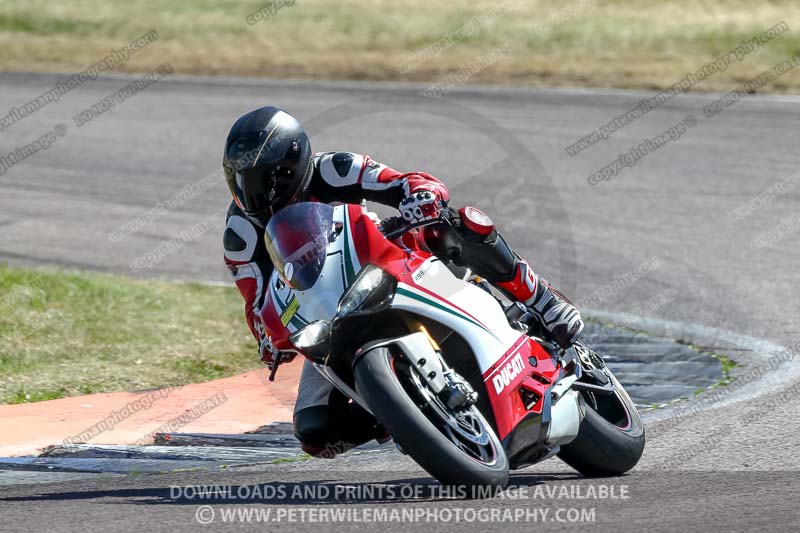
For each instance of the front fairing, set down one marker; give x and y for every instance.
(298, 308)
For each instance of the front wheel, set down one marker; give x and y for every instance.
(611, 437)
(457, 447)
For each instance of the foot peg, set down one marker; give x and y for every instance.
(519, 316)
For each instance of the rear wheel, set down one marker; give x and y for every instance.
(611, 437)
(456, 446)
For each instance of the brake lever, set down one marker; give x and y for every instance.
(416, 225)
(274, 367)
(387, 225)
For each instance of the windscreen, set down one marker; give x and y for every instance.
(297, 240)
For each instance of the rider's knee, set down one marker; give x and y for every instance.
(312, 429)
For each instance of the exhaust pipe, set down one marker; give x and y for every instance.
(565, 419)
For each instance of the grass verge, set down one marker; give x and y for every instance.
(611, 43)
(70, 333)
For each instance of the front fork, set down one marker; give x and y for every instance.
(424, 356)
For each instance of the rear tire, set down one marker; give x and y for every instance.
(605, 446)
(379, 384)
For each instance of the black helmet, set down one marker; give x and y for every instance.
(267, 162)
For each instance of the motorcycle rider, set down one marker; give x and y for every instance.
(269, 164)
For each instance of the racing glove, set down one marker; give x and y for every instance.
(421, 206)
(268, 352)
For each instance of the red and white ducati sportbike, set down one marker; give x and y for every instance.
(460, 381)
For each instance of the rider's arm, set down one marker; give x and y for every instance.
(348, 177)
(249, 265)
(246, 265)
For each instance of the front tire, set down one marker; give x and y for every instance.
(387, 383)
(611, 437)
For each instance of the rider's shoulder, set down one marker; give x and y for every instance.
(241, 235)
(339, 168)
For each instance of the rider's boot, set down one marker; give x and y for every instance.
(551, 308)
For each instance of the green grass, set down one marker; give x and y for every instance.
(36, 25)
(294, 459)
(616, 43)
(70, 333)
(727, 365)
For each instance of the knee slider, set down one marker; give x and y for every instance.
(311, 426)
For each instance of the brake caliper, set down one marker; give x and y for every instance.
(459, 393)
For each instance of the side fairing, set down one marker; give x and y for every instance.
(517, 388)
(432, 290)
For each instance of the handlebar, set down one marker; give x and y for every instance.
(396, 226)
(388, 226)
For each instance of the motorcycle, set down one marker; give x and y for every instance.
(464, 383)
